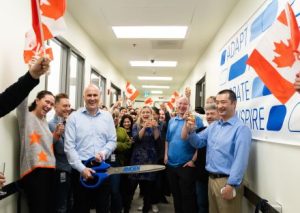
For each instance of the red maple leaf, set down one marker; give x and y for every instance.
(129, 90)
(286, 56)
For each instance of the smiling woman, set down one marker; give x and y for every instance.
(37, 158)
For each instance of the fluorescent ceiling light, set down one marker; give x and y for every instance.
(155, 87)
(154, 78)
(153, 63)
(156, 92)
(150, 31)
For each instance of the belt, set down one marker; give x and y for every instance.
(214, 176)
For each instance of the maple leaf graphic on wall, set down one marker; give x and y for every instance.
(286, 56)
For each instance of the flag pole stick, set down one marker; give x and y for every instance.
(40, 26)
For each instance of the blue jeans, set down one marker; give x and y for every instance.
(202, 196)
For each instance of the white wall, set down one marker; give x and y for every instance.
(15, 20)
(93, 55)
(273, 171)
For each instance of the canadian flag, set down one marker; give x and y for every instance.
(276, 57)
(148, 101)
(131, 92)
(172, 102)
(47, 22)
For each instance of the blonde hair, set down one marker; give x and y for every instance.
(140, 120)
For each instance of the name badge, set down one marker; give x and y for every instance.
(63, 177)
(113, 158)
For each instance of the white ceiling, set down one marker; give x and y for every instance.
(203, 18)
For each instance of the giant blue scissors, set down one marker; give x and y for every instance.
(103, 170)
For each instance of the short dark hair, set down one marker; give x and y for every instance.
(60, 96)
(133, 113)
(103, 107)
(232, 95)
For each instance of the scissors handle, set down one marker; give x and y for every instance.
(103, 166)
(98, 177)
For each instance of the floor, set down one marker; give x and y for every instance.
(163, 207)
(137, 201)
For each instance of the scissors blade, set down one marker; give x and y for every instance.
(135, 169)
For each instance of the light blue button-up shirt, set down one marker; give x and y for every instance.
(228, 147)
(86, 135)
(179, 151)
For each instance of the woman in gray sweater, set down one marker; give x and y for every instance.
(37, 158)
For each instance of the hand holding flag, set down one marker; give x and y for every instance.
(38, 66)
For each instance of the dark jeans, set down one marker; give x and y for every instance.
(39, 187)
(202, 196)
(84, 197)
(125, 191)
(182, 184)
(116, 198)
(63, 199)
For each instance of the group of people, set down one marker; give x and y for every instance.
(205, 164)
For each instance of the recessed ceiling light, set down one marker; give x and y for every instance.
(154, 78)
(150, 31)
(153, 63)
(155, 87)
(156, 92)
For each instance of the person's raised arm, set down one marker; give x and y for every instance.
(18, 91)
(189, 126)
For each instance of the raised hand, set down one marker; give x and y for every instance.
(38, 66)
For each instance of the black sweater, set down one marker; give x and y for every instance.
(16, 93)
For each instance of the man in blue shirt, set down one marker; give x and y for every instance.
(90, 132)
(180, 157)
(228, 144)
(63, 168)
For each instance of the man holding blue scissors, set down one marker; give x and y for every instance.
(89, 132)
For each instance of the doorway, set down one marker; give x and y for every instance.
(200, 93)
